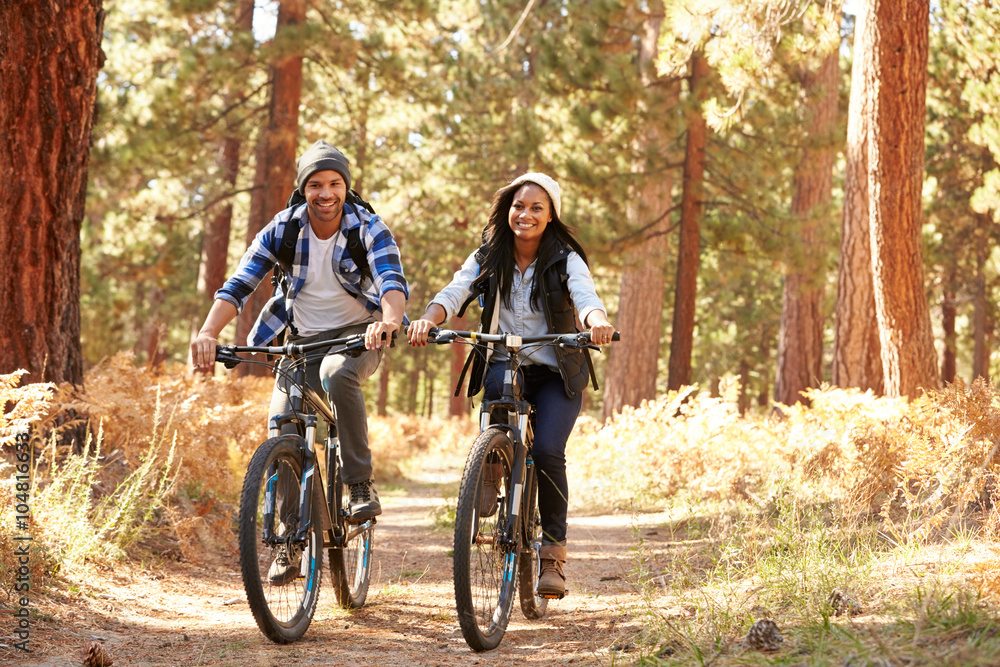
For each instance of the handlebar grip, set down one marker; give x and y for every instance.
(616, 336)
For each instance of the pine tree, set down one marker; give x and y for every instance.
(857, 360)
(895, 41)
(48, 83)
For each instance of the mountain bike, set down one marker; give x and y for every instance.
(498, 536)
(294, 504)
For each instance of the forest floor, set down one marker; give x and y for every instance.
(193, 612)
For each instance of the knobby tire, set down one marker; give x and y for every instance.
(350, 565)
(485, 570)
(283, 611)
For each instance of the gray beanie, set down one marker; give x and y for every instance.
(320, 157)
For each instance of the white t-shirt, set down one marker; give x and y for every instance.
(323, 303)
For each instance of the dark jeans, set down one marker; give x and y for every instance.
(556, 414)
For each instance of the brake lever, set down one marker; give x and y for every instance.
(227, 357)
(439, 337)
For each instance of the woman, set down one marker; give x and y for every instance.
(517, 271)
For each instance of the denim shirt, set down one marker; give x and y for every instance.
(521, 317)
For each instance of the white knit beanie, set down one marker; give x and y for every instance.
(544, 182)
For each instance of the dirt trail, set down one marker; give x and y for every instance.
(174, 614)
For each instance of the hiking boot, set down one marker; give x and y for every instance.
(364, 501)
(286, 564)
(489, 494)
(551, 580)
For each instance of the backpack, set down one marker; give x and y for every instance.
(290, 236)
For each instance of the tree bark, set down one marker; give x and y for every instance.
(980, 323)
(419, 365)
(743, 401)
(948, 314)
(800, 341)
(632, 366)
(50, 54)
(688, 251)
(896, 41)
(857, 360)
(274, 176)
(382, 403)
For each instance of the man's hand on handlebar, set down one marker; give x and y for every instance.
(380, 334)
(203, 352)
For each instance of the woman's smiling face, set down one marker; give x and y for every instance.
(530, 212)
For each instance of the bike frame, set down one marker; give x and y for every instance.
(518, 417)
(518, 414)
(304, 404)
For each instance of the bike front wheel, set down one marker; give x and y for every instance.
(485, 560)
(281, 577)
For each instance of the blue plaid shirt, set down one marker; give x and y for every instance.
(261, 256)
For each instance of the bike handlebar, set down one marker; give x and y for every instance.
(574, 340)
(227, 353)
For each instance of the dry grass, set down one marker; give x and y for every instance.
(889, 504)
(154, 434)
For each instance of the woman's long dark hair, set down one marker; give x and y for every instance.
(498, 238)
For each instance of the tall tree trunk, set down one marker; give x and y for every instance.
(276, 147)
(857, 360)
(896, 36)
(215, 237)
(419, 364)
(688, 260)
(50, 54)
(382, 403)
(429, 375)
(980, 324)
(632, 365)
(948, 312)
(361, 151)
(743, 401)
(800, 342)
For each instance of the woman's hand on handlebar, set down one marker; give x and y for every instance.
(418, 330)
(601, 330)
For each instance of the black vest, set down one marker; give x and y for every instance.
(575, 366)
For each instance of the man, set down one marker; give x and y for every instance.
(327, 297)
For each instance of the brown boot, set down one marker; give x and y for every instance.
(552, 581)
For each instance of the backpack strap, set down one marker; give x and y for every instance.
(286, 249)
(479, 286)
(355, 247)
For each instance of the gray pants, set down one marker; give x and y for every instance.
(340, 376)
